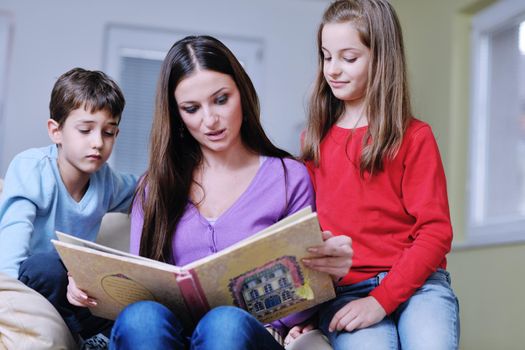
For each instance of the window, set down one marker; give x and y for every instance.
(497, 152)
(133, 57)
(5, 41)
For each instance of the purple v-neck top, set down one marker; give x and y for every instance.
(266, 200)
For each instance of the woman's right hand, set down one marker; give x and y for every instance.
(76, 296)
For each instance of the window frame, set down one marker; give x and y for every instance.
(481, 231)
(153, 43)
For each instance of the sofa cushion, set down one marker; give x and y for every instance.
(28, 320)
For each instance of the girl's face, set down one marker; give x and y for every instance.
(210, 106)
(346, 61)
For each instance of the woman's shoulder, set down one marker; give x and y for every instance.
(293, 166)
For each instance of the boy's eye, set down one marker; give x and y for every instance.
(221, 99)
(190, 109)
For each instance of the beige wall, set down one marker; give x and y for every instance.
(489, 280)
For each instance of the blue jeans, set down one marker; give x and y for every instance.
(428, 320)
(150, 325)
(45, 273)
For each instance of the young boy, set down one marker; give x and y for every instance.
(67, 187)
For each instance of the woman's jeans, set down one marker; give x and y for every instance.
(150, 325)
(428, 320)
(45, 273)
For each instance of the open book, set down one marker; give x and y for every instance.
(262, 274)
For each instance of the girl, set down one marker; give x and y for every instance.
(378, 179)
(213, 179)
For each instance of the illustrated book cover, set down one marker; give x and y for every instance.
(262, 274)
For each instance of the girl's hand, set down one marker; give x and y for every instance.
(334, 256)
(296, 331)
(77, 297)
(357, 314)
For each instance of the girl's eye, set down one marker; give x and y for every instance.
(350, 60)
(109, 133)
(84, 131)
(327, 58)
(222, 99)
(190, 109)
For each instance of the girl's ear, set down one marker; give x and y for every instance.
(54, 131)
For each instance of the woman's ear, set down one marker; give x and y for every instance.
(54, 131)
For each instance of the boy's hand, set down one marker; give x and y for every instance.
(296, 331)
(334, 256)
(77, 297)
(357, 314)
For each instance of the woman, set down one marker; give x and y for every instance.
(213, 179)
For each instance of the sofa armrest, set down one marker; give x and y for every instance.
(114, 231)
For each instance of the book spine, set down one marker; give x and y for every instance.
(193, 294)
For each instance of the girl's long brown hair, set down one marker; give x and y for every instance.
(387, 98)
(174, 154)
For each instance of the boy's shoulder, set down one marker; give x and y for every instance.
(37, 154)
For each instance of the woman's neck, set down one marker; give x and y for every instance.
(230, 159)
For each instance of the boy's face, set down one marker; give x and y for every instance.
(85, 141)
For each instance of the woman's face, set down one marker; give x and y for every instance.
(210, 106)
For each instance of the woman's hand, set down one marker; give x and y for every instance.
(296, 331)
(334, 256)
(357, 314)
(77, 297)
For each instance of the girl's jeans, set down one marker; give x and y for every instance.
(150, 325)
(428, 320)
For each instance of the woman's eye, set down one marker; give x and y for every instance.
(190, 109)
(222, 99)
(84, 131)
(109, 133)
(327, 58)
(350, 60)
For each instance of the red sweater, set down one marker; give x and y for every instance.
(398, 219)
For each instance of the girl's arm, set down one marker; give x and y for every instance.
(425, 199)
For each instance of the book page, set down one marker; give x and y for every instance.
(64, 237)
(117, 281)
(266, 276)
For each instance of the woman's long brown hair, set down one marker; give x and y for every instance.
(387, 98)
(174, 154)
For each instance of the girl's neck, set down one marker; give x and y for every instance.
(353, 116)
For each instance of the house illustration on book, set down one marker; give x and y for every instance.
(268, 288)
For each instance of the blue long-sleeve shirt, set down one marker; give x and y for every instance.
(35, 203)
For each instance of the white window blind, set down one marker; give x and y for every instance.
(497, 167)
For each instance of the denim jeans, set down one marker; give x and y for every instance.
(428, 320)
(150, 325)
(45, 273)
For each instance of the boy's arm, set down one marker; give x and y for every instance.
(21, 197)
(16, 227)
(123, 187)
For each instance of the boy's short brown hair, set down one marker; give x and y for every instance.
(92, 89)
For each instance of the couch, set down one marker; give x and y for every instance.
(41, 327)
